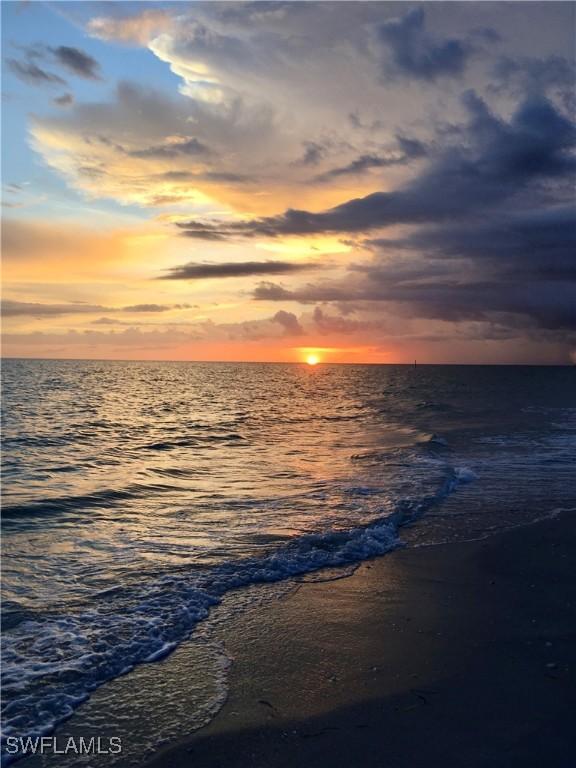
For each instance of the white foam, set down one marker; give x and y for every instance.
(465, 475)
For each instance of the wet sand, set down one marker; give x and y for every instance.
(456, 656)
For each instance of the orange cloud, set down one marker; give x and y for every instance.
(138, 29)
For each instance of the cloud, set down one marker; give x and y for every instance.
(329, 324)
(11, 308)
(492, 230)
(314, 153)
(227, 176)
(65, 100)
(235, 269)
(35, 309)
(205, 234)
(174, 148)
(475, 289)
(137, 29)
(537, 244)
(454, 205)
(73, 59)
(414, 53)
(263, 89)
(251, 82)
(154, 307)
(533, 74)
(313, 292)
(289, 322)
(76, 61)
(360, 165)
(134, 342)
(31, 73)
(517, 304)
(267, 291)
(138, 148)
(107, 321)
(270, 92)
(493, 161)
(410, 149)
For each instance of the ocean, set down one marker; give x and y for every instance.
(145, 502)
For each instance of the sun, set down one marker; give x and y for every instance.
(312, 359)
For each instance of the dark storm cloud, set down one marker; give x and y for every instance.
(496, 229)
(527, 276)
(289, 322)
(33, 74)
(360, 165)
(410, 149)
(474, 289)
(528, 73)
(235, 269)
(314, 152)
(539, 244)
(495, 162)
(547, 304)
(414, 53)
(76, 61)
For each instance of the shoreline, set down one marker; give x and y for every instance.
(448, 655)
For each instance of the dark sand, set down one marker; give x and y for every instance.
(453, 656)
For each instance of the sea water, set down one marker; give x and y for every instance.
(138, 497)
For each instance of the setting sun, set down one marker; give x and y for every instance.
(312, 359)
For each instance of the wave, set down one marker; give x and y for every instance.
(434, 440)
(12, 513)
(192, 442)
(51, 665)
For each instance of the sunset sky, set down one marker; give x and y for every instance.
(365, 182)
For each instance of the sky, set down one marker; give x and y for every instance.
(365, 182)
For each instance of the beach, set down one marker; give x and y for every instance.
(449, 655)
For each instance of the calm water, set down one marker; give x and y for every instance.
(137, 495)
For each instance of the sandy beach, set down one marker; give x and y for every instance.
(458, 655)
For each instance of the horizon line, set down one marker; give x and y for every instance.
(279, 362)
